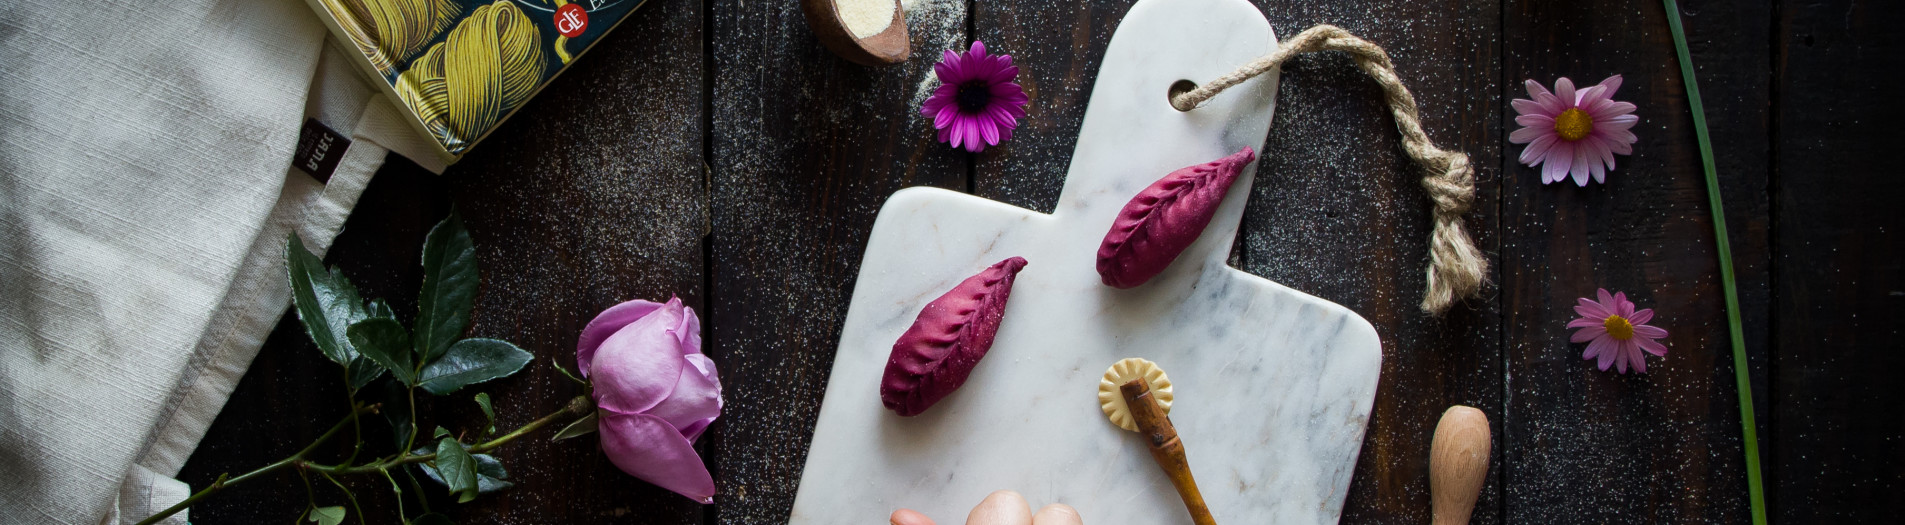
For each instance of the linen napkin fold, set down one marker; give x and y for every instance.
(146, 190)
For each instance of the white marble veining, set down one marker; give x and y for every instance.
(1274, 387)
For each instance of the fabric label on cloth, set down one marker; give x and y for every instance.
(319, 149)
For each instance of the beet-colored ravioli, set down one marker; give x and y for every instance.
(934, 357)
(1164, 219)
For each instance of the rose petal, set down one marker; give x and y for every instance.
(695, 401)
(637, 368)
(647, 447)
(606, 324)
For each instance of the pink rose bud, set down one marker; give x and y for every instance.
(934, 357)
(1164, 219)
(655, 393)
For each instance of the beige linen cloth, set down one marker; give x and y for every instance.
(145, 196)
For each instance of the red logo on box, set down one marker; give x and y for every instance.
(571, 20)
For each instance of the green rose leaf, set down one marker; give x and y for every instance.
(489, 473)
(432, 519)
(327, 515)
(326, 302)
(397, 412)
(449, 288)
(385, 342)
(456, 469)
(472, 361)
(489, 412)
(363, 371)
(581, 427)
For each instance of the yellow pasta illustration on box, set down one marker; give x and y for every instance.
(462, 67)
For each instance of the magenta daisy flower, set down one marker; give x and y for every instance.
(977, 103)
(1571, 132)
(1616, 333)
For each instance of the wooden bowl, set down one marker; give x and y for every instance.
(889, 47)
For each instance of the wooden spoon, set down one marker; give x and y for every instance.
(1458, 463)
(889, 46)
(1161, 437)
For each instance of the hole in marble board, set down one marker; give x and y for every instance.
(1178, 88)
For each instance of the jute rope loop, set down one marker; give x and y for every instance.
(1456, 268)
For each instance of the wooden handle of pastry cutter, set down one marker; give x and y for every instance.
(1458, 463)
(1165, 448)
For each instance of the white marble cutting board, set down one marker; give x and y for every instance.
(1274, 387)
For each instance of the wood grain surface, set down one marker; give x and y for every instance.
(716, 151)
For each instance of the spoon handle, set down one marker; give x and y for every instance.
(1161, 437)
(1458, 464)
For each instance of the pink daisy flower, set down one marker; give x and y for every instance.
(1616, 333)
(977, 103)
(1571, 132)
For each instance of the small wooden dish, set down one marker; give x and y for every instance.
(888, 47)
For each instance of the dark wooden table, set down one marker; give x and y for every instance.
(717, 152)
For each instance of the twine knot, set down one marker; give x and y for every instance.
(1457, 268)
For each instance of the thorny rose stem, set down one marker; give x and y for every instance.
(575, 407)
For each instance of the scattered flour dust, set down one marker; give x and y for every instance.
(865, 18)
(939, 25)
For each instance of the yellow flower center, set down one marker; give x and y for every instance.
(1573, 124)
(1619, 327)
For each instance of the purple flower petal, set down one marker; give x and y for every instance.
(1649, 332)
(1622, 306)
(1589, 308)
(1653, 347)
(1641, 317)
(1603, 349)
(1559, 159)
(1564, 90)
(637, 367)
(1535, 121)
(1527, 107)
(1535, 89)
(606, 324)
(1533, 154)
(1529, 134)
(1586, 333)
(1579, 166)
(696, 399)
(1630, 355)
(1612, 84)
(649, 448)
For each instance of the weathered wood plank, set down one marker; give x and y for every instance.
(806, 146)
(593, 194)
(1840, 296)
(1338, 212)
(1590, 446)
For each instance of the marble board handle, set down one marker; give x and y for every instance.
(1458, 463)
(1161, 437)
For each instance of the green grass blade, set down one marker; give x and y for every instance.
(1747, 426)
